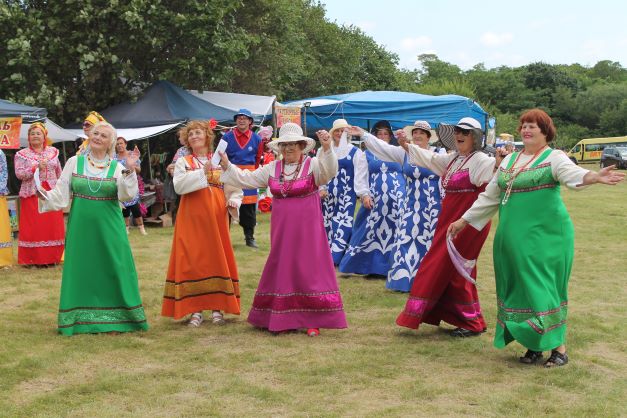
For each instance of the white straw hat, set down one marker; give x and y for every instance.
(291, 132)
(419, 124)
(338, 124)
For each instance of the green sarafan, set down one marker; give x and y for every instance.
(373, 368)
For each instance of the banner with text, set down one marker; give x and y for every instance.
(10, 132)
(286, 114)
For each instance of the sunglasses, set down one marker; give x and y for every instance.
(464, 132)
(87, 125)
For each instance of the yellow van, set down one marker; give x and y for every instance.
(590, 149)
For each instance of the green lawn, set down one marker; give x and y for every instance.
(373, 368)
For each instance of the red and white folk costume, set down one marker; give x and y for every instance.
(41, 235)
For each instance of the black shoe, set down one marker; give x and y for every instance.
(531, 357)
(250, 242)
(463, 333)
(557, 359)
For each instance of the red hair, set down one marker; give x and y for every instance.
(196, 124)
(542, 119)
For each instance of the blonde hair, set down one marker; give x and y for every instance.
(114, 138)
(183, 133)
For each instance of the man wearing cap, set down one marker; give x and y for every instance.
(244, 149)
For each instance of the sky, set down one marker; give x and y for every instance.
(495, 33)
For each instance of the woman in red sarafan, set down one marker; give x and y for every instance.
(41, 235)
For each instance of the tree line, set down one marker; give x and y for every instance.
(73, 56)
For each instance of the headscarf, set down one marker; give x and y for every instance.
(92, 117)
(47, 140)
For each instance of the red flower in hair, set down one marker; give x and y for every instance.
(213, 123)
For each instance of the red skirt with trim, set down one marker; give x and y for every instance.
(41, 238)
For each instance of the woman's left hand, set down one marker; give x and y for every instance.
(501, 153)
(232, 204)
(609, 176)
(455, 227)
(131, 160)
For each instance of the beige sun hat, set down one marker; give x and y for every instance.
(291, 132)
(338, 124)
(419, 124)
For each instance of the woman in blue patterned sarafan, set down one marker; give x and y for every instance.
(339, 196)
(372, 241)
(416, 224)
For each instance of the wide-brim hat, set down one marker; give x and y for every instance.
(446, 132)
(338, 124)
(291, 132)
(419, 124)
(244, 112)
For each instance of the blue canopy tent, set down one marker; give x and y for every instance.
(399, 108)
(164, 103)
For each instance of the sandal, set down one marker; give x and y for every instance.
(195, 320)
(218, 318)
(557, 359)
(463, 333)
(531, 357)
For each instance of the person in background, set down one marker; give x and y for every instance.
(99, 288)
(244, 150)
(134, 205)
(439, 292)
(381, 187)
(298, 287)
(339, 196)
(6, 241)
(90, 121)
(42, 235)
(202, 273)
(420, 209)
(534, 242)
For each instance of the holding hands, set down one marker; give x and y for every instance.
(356, 131)
(325, 139)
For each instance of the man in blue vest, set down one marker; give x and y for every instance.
(244, 150)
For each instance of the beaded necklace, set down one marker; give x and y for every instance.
(450, 171)
(510, 175)
(102, 175)
(286, 185)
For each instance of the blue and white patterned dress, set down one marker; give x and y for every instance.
(338, 209)
(372, 241)
(415, 226)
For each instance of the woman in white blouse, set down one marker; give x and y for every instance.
(298, 288)
(99, 289)
(202, 273)
(534, 241)
(439, 292)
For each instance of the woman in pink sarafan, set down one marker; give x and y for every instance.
(298, 288)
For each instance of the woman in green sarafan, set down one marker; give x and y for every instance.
(99, 289)
(534, 242)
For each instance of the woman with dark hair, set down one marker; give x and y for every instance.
(420, 208)
(42, 235)
(381, 187)
(134, 205)
(534, 241)
(202, 273)
(440, 292)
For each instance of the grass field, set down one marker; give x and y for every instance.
(373, 368)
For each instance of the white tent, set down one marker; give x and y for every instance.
(260, 106)
(131, 134)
